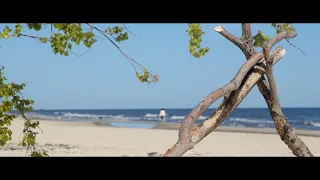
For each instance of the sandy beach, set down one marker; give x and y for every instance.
(62, 138)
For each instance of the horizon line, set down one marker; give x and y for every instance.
(175, 108)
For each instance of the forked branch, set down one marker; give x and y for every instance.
(185, 141)
(275, 111)
(235, 98)
(184, 133)
(295, 144)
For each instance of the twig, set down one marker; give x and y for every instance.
(126, 56)
(79, 55)
(23, 115)
(30, 36)
(295, 47)
(54, 34)
(129, 31)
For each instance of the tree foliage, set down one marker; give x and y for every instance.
(12, 99)
(195, 33)
(62, 39)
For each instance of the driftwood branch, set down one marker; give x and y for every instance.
(231, 101)
(215, 95)
(185, 129)
(190, 138)
(247, 40)
(247, 34)
(295, 144)
(287, 135)
(232, 38)
(279, 37)
(275, 111)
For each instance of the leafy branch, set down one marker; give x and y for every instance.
(12, 99)
(68, 34)
(195, 32)
(62, 38)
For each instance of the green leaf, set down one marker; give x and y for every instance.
(66, 53)
(259, 39)
(195, 32)
(43, 39)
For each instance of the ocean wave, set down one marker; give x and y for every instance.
(177, 117)
(59, 113)
(91, 116)
(76, 115)
(182, 117)
(151, 115)
(133, 118)
(115, 116)
(236, 125)
(150, 119)
(203, 117)
(316, 124)
(251, 120)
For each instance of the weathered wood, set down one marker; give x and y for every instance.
(224, 109)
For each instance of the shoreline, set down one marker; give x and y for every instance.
(176, 126)
(69, 138)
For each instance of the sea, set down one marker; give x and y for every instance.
(299, 118)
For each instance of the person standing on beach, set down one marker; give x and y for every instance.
(162, 115)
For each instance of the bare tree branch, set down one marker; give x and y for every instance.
(232, 38)
(279, 37)
(185, 129)
(215, 95)
(247, 40)
(185, 141)
(247, 34)
(30, 36)
(129, 31)
(287, 135)
(295, 144)
(275, 112)
(266, 52)
(79, 55)
(224, 109)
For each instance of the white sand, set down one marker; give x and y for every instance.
(83, 139)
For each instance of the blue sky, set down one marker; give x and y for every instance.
(104, 79)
